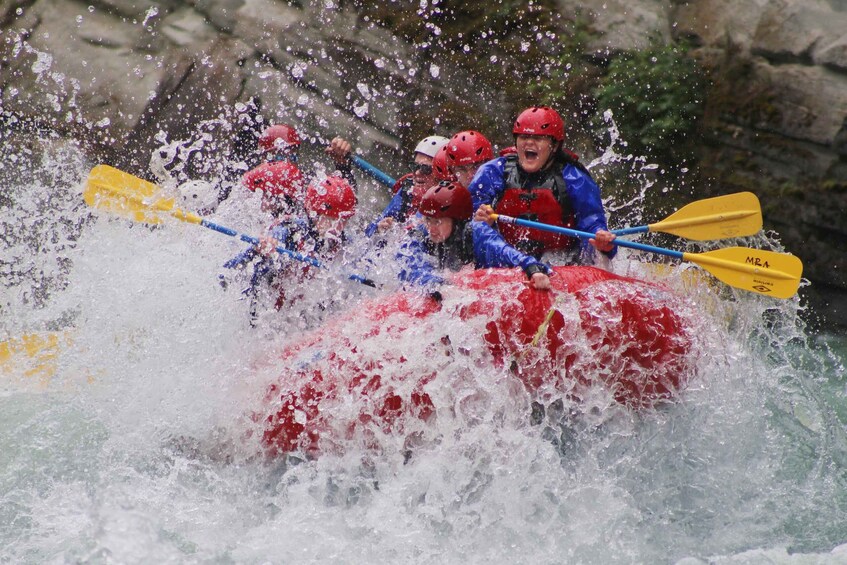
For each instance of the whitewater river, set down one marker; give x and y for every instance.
(131, 444)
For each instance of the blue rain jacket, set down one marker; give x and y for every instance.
(400, 206)
(422, 262)
(290, 233)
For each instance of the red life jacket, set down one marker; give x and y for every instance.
(544, 199)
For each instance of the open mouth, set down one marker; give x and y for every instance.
(530, 155)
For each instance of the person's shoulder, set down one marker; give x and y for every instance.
(575, 171)
(572, 166)
(498, 163)
(488, 174)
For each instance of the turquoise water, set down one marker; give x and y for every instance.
(133, 450)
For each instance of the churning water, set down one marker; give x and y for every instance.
(130, 445)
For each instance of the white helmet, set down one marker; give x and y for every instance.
(430, 145)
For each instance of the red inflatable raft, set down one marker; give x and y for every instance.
(376, 370)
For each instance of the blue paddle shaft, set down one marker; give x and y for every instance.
(364, 166)
(628, 231)
(293, 254)
(217, 228)
(587, 235)
(285, 251)
(373, 171)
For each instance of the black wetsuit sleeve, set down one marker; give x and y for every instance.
(346, 170)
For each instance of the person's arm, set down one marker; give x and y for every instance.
(487, 183)
(287, 235)
(279, 235)
(584, 195)
(491, 250)
(241, 259)
(416, 263)
(340, 150)
(393, 211)
(279, 232)
(346, 170)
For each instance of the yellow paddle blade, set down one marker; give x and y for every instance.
(32, 355)
(756, 270)
(113, 190)
(722, 217)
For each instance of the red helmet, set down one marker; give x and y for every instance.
(439, 165)
(447, 199)
(331, 197)
(540, 120)
(511, 150)
(467, 148)
(276, 178)
(279, 137)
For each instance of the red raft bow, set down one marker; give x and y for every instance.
(350, 381)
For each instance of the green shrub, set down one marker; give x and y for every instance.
(656, 97)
